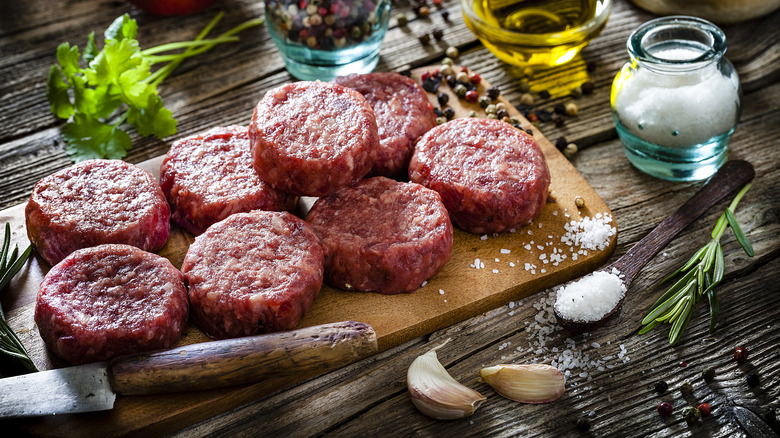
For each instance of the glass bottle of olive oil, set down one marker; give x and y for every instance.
(536, 32)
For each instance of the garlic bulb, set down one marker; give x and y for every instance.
(534, 383)
(436, 394)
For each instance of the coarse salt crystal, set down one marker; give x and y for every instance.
(495, 271)
(441, 292)
(505, 251)
(591, 297)
(483, 237)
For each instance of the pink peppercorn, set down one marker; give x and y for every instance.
(475, 78)
(741, 354)
(704, 408)
(472, 96)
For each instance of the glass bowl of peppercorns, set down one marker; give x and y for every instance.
(322, 39)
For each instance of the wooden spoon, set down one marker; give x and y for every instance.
(731, 176)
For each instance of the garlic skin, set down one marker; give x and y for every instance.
(532, 383)
(436, 394)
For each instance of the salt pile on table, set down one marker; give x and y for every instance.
(591, 297)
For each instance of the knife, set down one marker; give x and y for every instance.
(752, 423)
(93, 387)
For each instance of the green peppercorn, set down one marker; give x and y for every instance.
(492, 116)
(500, 106)
(446, 70)
(484, 101)
(527, 99)
(447, 61)
(570, 150)
(576, 92)
(462, 77)
(460, 90)
(708, 374)
(402, 20)
(473, 114)
(686, 388)
(691, 414)
(441, 120)
(491, 109)
(452, 52)
(514, 121)
(524, 87)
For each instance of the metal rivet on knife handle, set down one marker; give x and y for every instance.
(242, 360)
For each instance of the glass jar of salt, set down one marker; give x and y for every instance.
(676, 102)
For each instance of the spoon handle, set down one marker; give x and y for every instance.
(731, 176)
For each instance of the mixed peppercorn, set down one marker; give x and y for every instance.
(326, 24)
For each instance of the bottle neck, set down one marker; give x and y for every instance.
(677, 45)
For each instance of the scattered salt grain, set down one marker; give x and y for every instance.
(505, 251)
(495, 271)
(424, 283)
(591, 297)
(483, 237)
(441, 292)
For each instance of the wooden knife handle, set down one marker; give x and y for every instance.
(243, 360)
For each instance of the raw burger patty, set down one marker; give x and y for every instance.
(382, 235)
(403, 114)
(96, 202)
(110, 300)
(253, 273)
(490, 175)
(209, 176)
(312, 138)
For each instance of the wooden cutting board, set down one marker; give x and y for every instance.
(458, 292)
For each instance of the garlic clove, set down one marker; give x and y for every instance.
(532, 383)
(436, 394)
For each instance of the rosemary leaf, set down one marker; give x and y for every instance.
(717, 274)
(712, 299)
(739, 234)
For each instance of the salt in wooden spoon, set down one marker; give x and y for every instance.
(731, 176)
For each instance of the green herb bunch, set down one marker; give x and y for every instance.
(701, 274)
(10, 346)
(118, 85)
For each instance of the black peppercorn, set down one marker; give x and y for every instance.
(583, 425)
(708, 374)
(493, 93)
(502, 113)
(449, 113)
(559, 108)
(438, 112)
(588, 87)
(558, 119)
(659, 386)
(530, 132)
(445, 15)
(438, 34)
(544, 94)
(544, 115)
(443, 98)
(424, 39)
(560, 144)
(451, 81)
(753, 380)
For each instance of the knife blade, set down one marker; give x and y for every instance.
(752, 423)
(93, 387)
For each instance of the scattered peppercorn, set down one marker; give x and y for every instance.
(452, 52)
(500, 106)
(559, 108)
(528, 72)
(475, 78)
(544, 115)
(753, 380)
(741, 354)
(579, 201)
(441, 120)
(493, 92)
(514, 120)
(691, 414)
(664, 409)
(708, 374)
(583, 425)
(402, 20)
(445, 15)
(502, 113)
(423, 11)
(491, 109)
(590, 67)
(571, 109)
(451, 81)
(449, 113)
(443, 98)
(447, 61)
(460, 90)
(527, 99)
(659, 386)
(438, 34)
(462, 76)
(473, 114)
(438, 112)
(544, 94)
(704, 409)
(425, 39)
(570, 150)
(559, 120)
(431, 83)
(686, 388)
(524, 87)
(406, 72)
(484, 101)
(492, 116)
(683, 364)
(446, 70)
(576, 92)
(472, 96)
(588, 87)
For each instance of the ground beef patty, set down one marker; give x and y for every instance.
(490, 175)
(312, 138)
(96, 202)
(403, 114)
(110, 300)
(253, 273)
(209, 176)
(382, 235)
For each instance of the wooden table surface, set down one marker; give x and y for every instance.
(614, 389)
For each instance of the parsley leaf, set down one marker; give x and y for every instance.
(118, 84)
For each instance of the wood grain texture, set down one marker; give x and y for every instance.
(369, 397)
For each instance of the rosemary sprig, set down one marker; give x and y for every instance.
(703, 271)
(10, 345)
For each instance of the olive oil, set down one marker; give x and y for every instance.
(536, 32)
